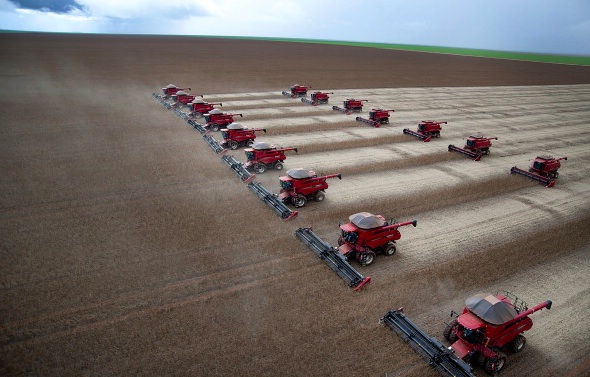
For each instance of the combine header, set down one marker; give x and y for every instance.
(262, 156)
(216, 119)
(427, 129)
(272, 200)
(297, 91)
(366, 235)
(199, 107)
(438, 356)
(377, 117)
(351, 105)
(238, 168)
(543, 170)
(317, 98)
(333, 258)
(214, 144)
(197, 126)
(301, 185)
(475, 147)
(489, 325)
(235, 135)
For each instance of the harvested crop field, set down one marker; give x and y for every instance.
(130, 248)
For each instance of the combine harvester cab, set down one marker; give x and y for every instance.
(262, 156)
(236, 135)
(475, 147)
(317, 98)
(427, 129)
(301, 185)
(272, 200)
(438, 355)
(366, 235)
(543, 170)
(199, 107)
(377, 117)
(297, 91)
(216, 119)
(489, 325)
(238, 168)
(351, 105)
(333, 258)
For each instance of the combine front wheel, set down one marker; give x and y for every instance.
(496, 364)
(214, 127)
(449, 331)
(260, 168)
(367, 258)
(299, 201)
(233, 144)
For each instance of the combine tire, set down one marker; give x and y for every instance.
(278, 166)
(260, 168)
(233, 144)
(319, 196)
(390, 249)
(448, 332)
(517, 344)
(299, 201)
(250, 143)
(495, 365)
(214, 127)
(366, 259)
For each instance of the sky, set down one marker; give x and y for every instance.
(541, 26)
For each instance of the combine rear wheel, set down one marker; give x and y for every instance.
(517, 344)
(319, 196)
(448, 331)
(278, 166)
(299, 201)
(390, 249)
(495, 365)
(249, 143)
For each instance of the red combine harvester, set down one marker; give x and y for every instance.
(377, 117)
(301, 185)
(183, 98)
(317, 98)
(216, 119)
(200, 107)
(427, 129)
(543, 169)
(171, 89)
(475, 147)
(297, 91)
(351, 105)
(367, 234)
(489, 325)
(262, 156)
(235, 135)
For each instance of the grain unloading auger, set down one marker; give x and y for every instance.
(214, 144)
(543, 170)
(238, 167)
(475, 147)
(272, 200)
(333, 258)
(437, 354)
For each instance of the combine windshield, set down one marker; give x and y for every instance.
(250, 155)
(470, 142)
(225, 134)
(351, 237)
(286, 185)
(539, 165)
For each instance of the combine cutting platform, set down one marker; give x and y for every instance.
(272, 200)
(333, 258)
(238, 168)
(197, 126)
(181, 114)
(214, 144)
(548, 182)
(438, 356)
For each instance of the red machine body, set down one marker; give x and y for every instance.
(377, 117)
(262, 156)
(427, 129)
(301, 185)
(367, 234)
(317, 98)
(200, 107)
(489, 325)
(297, 91)
(183, 98)
(543, 169)
(216, 119)
(171, 89)
(236, 135)
(475, 147)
